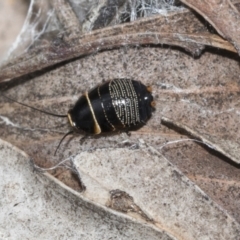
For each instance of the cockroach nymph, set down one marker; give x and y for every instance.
(119, 104)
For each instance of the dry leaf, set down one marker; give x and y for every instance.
(173, 202)
(36, 206)
(179, 28)
(223, 15)
(201, 93)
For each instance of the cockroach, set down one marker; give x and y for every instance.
(120, 104)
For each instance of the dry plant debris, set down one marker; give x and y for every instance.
(67, 47)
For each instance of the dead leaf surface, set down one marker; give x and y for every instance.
(202, 93)
(143, 173)
(222, 15)
(179, 28)
(37, 206)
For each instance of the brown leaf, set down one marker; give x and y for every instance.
(222, 15)
(202, 93)
(177, 29)
(36, 206)
(169, 198)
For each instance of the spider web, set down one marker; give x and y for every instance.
(42, 23)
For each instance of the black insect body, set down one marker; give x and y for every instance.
(115, 105)
(119, 104)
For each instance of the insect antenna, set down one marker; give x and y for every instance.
(68, 133)
(46, 112)
(39, 110)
